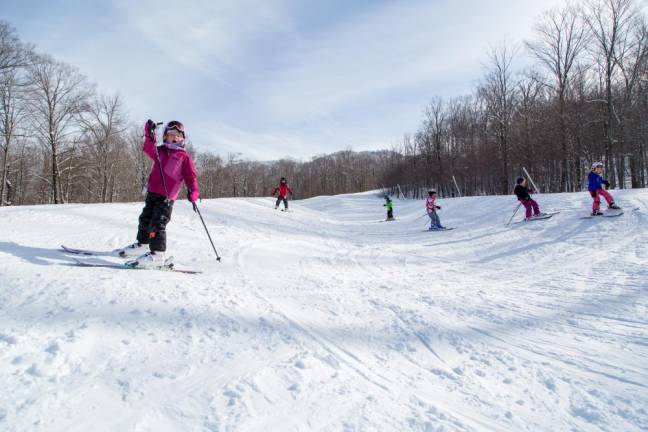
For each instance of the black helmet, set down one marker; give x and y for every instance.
(283, 180)
(519, 180)
(431, 192)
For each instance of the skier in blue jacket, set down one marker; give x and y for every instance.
(595, 183)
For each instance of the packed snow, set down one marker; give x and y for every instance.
(327, 319)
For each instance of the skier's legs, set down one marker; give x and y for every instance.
(528, 207)
(145, 217)
(536, 208)
(437, 220)
(278, 201)
(390, 214)
(606, 195)
(596, 203)
(434, 219)
(285, 201)
(159, 221)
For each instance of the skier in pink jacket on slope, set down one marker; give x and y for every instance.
(177, 167)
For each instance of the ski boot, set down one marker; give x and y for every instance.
(597, 212)
(132, 250)
(150, 259)
(613, 206)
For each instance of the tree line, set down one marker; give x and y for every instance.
(63, 142)
(582, 99)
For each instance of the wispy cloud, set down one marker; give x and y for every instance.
(280, 77)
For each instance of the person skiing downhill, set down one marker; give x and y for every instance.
(523, 195)
(595, 183)
(283, 189)
(176, 166)
(390, 208)
(431, 208)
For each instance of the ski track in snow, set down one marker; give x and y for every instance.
(322, 319)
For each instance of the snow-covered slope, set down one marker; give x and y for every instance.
(325, 319)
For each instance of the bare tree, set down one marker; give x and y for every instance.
(561, 38)
(609, 22)
(432, 141)
(103, 123)
(60, 92)
(12, 51)
(499, 92)
(13, 58)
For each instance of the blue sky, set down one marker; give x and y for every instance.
(277, 78)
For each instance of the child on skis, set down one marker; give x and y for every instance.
(595, 182)
(523, 195)
(171, 166)
(390, 208)
(431, 208)
(283, 189)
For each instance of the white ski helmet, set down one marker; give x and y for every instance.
(596, 165)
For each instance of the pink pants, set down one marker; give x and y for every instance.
(596, 196)
(530, 205)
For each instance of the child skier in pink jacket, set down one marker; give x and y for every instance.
(164, 183)
(431, 208)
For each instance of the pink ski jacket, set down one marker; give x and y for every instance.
(430, 204)
(177, 167)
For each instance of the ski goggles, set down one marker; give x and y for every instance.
(175, 125)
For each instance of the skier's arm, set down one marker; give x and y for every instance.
(149, 139)
(191, 179)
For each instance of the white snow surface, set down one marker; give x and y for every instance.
(324, 319)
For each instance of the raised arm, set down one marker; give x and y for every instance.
(149, 139)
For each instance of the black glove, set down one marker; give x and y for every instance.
(438, 207)
(607, 184)
(149, 129)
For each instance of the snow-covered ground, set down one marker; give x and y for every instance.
(324, 319)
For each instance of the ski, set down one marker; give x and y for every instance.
(89, 252)
(440, 229)
(605, 215)
(544, 216)
(166, 267)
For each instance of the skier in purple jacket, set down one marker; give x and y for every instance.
(176, 167)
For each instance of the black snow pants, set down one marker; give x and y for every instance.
(155, 216)
(284, 199)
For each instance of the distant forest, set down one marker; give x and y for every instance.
(583, 99)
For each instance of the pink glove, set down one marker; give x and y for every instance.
(194, 195)
(149, 129)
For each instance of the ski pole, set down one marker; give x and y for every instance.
(195, 207)
(514, 213)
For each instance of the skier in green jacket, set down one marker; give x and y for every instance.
(390, 208)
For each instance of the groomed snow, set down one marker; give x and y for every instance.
(324, 319)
